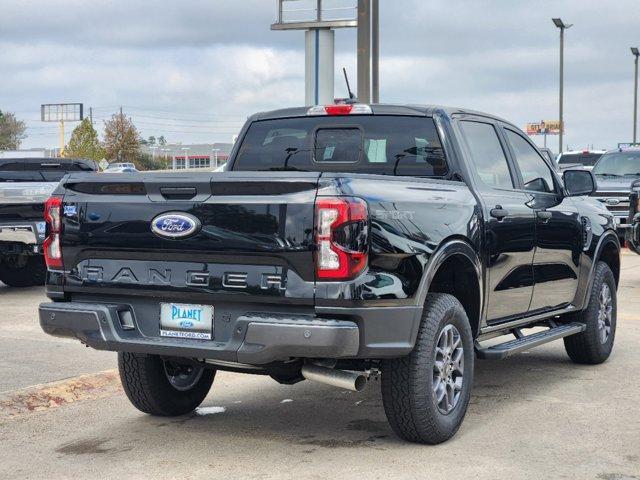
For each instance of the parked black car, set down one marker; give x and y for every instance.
(25, 184)
(344, 242)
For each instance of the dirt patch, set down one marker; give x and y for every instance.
(56, 394)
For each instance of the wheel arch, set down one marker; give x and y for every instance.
(455, 268)
(608, 251)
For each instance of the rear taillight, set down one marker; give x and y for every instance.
(53, 217)
(342, 229)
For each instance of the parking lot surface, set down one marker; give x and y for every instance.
(535, 415)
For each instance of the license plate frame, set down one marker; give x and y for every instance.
(186, 320)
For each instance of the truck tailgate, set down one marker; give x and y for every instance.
(255, 243)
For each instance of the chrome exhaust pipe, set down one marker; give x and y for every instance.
(338, 378)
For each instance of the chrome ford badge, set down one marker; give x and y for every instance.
(175, 225)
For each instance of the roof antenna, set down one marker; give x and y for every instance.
(346, 79)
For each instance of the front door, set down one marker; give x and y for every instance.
(558, 229)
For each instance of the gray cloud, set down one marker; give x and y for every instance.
(196, 69)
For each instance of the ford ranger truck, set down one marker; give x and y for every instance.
(25, 184)
(345, 242)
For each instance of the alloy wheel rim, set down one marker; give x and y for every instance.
(448, 369)
(605, 313)
(182, 377)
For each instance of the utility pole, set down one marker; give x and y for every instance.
(91, 115)
(562, 26)
(636, 53)
(364, 51)
(375, 51)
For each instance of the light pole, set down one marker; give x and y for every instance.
(186, 156)
(215, 157)
(636, 53)
(562, 26)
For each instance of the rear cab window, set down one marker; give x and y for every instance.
(378, 144)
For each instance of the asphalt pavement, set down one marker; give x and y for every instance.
(536, 415)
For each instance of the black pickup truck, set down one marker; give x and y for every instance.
(25, 184)
(345, 242)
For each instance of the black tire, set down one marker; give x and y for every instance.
(33, 273)
(147, 386)
(408, 383)
(588, 347)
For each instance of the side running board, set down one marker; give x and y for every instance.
(521, 343)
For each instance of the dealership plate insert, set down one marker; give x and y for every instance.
(184, 320)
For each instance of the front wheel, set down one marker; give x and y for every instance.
(595, 343)
(426, 393)
(162, 387)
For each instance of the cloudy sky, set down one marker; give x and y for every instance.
(193, 70)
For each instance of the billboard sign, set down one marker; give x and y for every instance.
(544, 127)
(61, 112)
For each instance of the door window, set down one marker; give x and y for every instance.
(487, 154)
(536, 175)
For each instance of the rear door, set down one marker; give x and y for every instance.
(558, 228)
(509, 223)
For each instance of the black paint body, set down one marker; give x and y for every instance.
(261, 223)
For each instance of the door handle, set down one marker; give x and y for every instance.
(544, 215)
(498, 212)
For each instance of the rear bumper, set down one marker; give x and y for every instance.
(26, 233)
(256, 339)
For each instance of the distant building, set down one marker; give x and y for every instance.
(182, 156)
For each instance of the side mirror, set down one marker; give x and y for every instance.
(579, 182)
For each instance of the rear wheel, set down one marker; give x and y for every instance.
(426, 393)
(162, 387)
(594, 344)
(28, 271)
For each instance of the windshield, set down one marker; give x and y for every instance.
(619, 164)
(382, 144)
(586, 159)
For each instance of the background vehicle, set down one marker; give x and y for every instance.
(25, 184)
(345, 241)
(615, 172)
(584, 158)
(121, 165)
(632, 234)
(548, 153)
(121, 170)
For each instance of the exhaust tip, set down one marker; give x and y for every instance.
(338, 378)
(359, 383)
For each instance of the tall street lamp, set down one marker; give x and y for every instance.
(636, 53)
(562, 26)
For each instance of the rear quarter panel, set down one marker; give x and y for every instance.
(410, 217)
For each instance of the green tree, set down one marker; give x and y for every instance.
(146, 161)
(121, 139)
(151, 140)
(84, 142)
(11, 131)
(162, 141)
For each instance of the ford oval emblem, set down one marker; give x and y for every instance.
(175, 225)
(612, 201)
(186, 324)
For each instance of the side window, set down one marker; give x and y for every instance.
(487, 154)
(535, 173)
